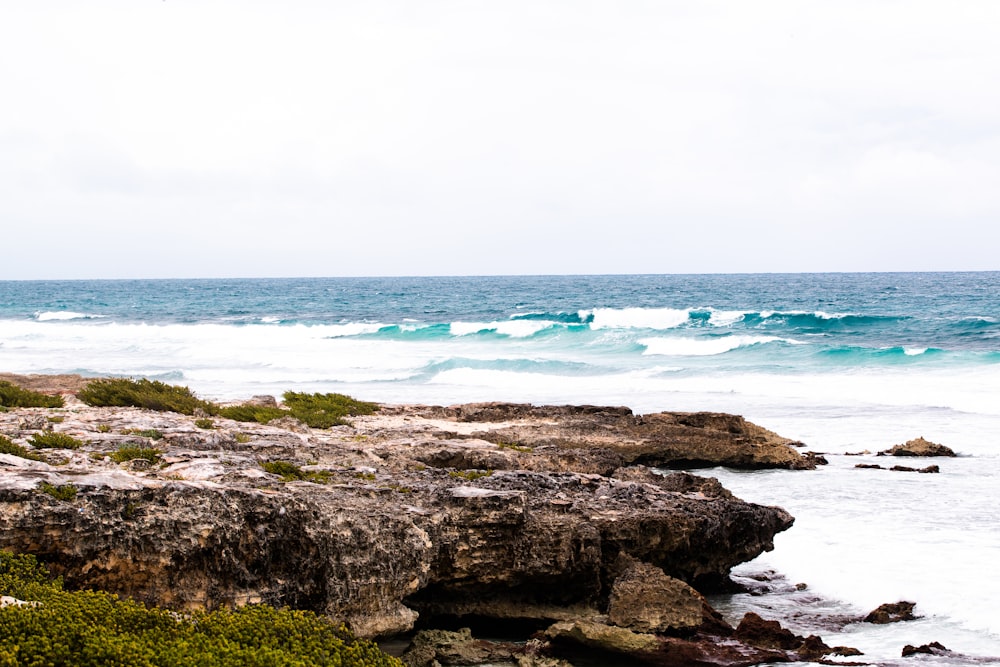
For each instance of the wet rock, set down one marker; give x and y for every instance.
(934, 648)
(918, 447)
(892, 612)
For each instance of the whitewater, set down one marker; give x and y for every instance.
(846, 363)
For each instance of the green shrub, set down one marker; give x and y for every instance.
(93, 628)
(251, 413)
(8, 447)
(149, 394)
(470, 475)
(289, 472)
(65, 492)
(325, 410)
(54, 440)
(12, 396)
(204, 423)
(130, 452)
(144, 432)
(103, 428)
(58, 419)
(242, 438)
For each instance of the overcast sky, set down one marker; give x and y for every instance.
(201, 138)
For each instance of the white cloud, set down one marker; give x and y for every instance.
(223, 138)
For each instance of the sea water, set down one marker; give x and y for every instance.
(846, 363)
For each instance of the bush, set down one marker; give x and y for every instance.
(129, 453)
(8, 447)
(151, 433)
(65, 492)
(252, 413)
(54, 440)
(325, 410)
(289, 472)
(12, 396)
(93, 628)
(204, 423)
(149, 394)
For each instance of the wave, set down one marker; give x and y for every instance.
(520, 328)
(58, 315)
(635, 318)
(699, 347)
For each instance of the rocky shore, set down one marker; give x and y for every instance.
(545, 519)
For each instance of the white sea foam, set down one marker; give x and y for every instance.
(635, 318)
(58, 315)
(725, 318)
(697, 347)
(914, 351)
(512, 328)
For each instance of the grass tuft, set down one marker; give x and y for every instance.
(8, 447)
(54, 440)
(130, 453)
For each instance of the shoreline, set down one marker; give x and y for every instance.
(532, 515)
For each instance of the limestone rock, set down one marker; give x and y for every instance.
(918, 447)
(604, 637)
(644, 599)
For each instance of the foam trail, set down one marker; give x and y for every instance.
(60, 315)
(635, 318)
(698, 347)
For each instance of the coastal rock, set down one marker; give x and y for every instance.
(367, 533)
(644, 599)
(918, 447)
(892, 612)
(601, 439)
(445, 647)
(933, 648)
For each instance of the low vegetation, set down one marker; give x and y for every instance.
(8, 447)
(289, 472)
(65, 492)
(12, 396)
(149, 394)
(204, 423)
(470, 475)
(131, 452)
(151, 433)
(54, 440)
(94, 628)
(315, 410)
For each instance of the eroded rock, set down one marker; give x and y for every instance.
(918, 447)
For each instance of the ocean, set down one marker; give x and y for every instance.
(846, 363)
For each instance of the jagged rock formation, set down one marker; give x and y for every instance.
(918, 447)
(541, 515)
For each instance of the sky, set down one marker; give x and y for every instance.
(216, 138)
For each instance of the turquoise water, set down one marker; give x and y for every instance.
(842, 362)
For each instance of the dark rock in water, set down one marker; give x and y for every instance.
(934, 648)
(918, 447)
(872, 466)
(892, 612)
(767, 634)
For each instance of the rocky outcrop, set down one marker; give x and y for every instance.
(537, 517)
(601, 439)
(918, 447)
(892, 612)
